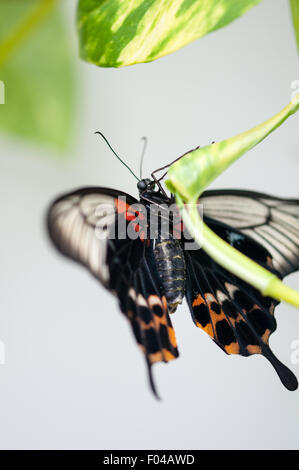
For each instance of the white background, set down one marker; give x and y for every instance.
(74, 377)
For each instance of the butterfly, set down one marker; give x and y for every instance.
(151, 271)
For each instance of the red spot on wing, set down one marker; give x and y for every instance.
(121, 206)
(124, 208)
(131, 215)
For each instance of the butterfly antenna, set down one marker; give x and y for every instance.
(117, 156)
(142, 154)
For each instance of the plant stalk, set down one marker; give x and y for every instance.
(233, 260)
(191, 174)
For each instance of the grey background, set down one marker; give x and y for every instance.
(74, 377)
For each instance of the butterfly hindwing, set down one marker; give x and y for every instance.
(90, 226)
(236, 316)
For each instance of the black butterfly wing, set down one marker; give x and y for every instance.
(236, 316)
(273, 222)
(91, 226)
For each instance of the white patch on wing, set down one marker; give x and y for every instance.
(210, 298)
(141, 301)
(221, 297)
(231, 289)
(270, 221)
(236, 211)
(80, 226)
(132, 293)
(154, 300)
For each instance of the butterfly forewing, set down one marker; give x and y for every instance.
(79, 224)
(271, 221)
(84, 225)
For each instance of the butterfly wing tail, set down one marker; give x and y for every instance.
(288, 379)
(151, 380)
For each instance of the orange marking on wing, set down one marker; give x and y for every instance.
(161, 356)
(232, 348)
(155, 357)
(266, 336)
(198, 301)
(168, 356)
(214, 316)
(145, 326)
(217, 316)
(160, 320)
(172, 337)
(239, 317)
(207, 329)
(155, 300)
(252, 349)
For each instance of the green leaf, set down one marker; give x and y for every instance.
(37, 72)
(295, 14)
(114, 33)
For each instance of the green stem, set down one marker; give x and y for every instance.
(233, 260)
(295, 14)
(196, 170)
(23, 30)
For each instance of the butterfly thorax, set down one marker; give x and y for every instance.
(169, 256)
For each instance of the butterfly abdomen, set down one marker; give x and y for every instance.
(170, 263)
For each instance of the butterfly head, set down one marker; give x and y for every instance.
(146, 184)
